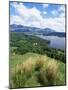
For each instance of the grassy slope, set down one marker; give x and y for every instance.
(17, 59)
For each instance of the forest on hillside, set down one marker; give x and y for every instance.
(21, 44)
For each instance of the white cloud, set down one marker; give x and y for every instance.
(27, 13)
(33, 17)
(60, 11)
(61, 8)
(45, 12)
(16, 20)
(57, 24)
(54, 12)
(45, 5)
(62, 15)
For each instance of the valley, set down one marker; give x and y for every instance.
(31, 57)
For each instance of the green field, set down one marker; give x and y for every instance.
(33, 81)
(33, 63)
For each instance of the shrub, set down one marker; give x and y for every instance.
(22, 73)
(39, 63)
(51, 72)
(28, 67)
(48, 74)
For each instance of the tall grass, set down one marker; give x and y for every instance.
(52, 72)
(48, 74)
(22, 73)
(39, 63)
(39, 72)
(28, 67)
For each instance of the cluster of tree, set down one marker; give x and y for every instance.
(25, 43)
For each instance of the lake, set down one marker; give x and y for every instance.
(55, 41)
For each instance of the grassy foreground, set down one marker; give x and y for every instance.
(32, 70)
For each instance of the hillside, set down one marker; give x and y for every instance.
(35, 31)
(33, 68)
(26, 43)
(33, 63)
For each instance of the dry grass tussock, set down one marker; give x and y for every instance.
(39, 63)
(28, 66)
(22, 73)
(48, 74)
(52, 72)
(25, 67)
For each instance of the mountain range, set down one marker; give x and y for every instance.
(35, 31)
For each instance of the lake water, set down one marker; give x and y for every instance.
(55, 41)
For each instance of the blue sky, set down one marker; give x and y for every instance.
(38, 15)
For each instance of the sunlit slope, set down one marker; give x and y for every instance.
(35, 64)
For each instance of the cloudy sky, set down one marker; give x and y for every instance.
(38, 15)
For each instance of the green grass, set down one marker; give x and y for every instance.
(23, 68)
(17, 59)
(21, 44)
